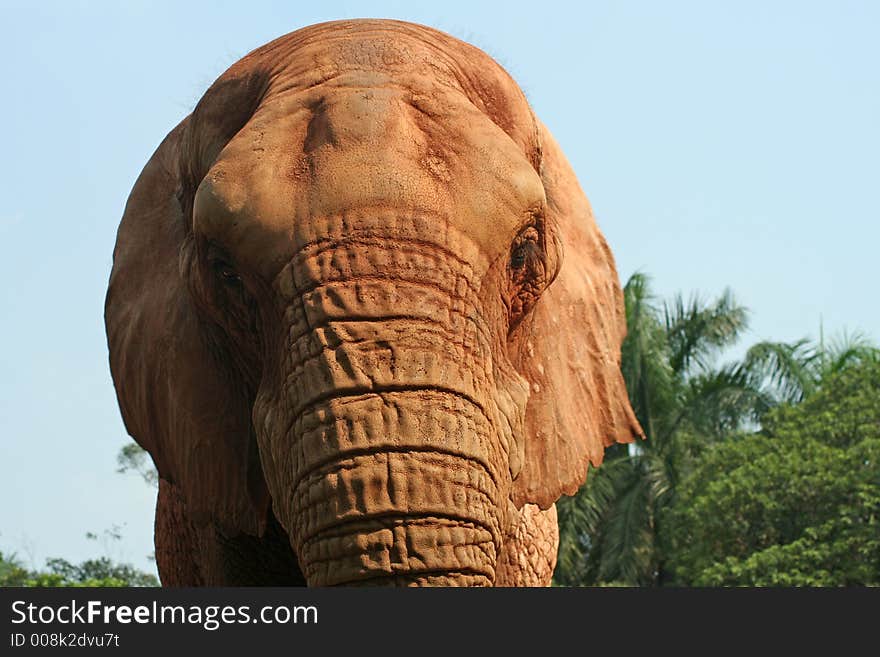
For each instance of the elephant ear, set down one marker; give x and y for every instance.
(178, 400)
(569, 349)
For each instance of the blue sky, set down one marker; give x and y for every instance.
(721, 144)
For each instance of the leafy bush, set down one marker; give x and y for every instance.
(797, 504)
(60, 572)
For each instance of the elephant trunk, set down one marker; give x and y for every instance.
(394, 493)
(386, 467)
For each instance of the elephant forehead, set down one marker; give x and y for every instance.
(403, 51)
(384, 153)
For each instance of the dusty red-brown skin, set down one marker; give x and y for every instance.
(361, 317)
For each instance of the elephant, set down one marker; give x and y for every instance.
(363, 320)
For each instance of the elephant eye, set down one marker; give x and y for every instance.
(226, 273)
(526, 271)
(518, 257)
(525, 246)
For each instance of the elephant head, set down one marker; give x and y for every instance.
(360, 291)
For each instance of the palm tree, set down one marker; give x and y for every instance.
(795, 370)
(609, 529)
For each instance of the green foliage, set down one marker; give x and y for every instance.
(797, 504)
(706, 500)
(11, 571)
(101, 571)
(60, 572)
(581, 519)
(796, 370)
(133, 458)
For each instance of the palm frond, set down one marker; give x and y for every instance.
(581, 515)
(790, 368)
(627, 542)
(723, 400)
(845, 350)
(644, 353)
(697, 331)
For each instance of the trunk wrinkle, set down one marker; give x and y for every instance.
(335, 462)
(374, 522)
(343, 394)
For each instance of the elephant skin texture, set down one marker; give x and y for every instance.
(361, 317)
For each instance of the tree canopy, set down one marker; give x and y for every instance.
(795, 504)
(747, 465)
(60, 572)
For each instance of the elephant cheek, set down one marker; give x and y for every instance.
(265, 421)
(512, 398)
